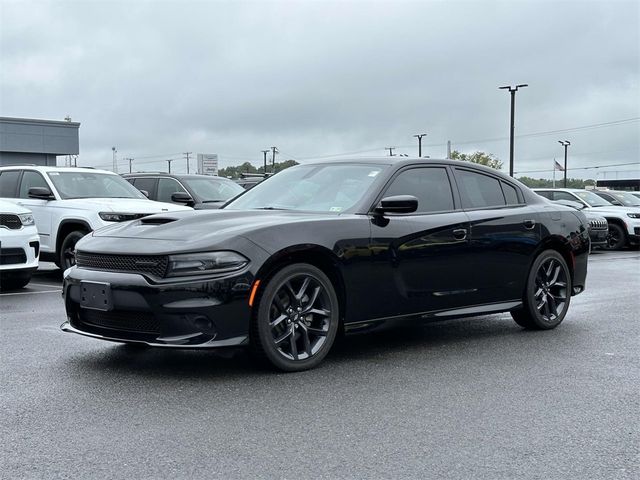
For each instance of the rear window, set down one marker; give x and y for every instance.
(9, 183)
(478, 190)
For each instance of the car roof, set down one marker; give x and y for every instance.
(171, 175)
(55, 169)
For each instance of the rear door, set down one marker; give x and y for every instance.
(504, 233)
(419, 260)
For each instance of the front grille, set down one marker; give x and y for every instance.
(10, 221)
(12, 256)
(129, 321)
(155, 265)
(598, 224)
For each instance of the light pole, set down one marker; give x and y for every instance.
(419, 137)
(264, 153)
(391, 149)
(115, 165)
(513, 91)
(565, 144)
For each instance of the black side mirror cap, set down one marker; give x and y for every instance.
(41, 193)
(398, 204)
(181, 197)
(145, 193)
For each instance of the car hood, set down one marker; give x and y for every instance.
(205, 226)
(613, 209)
(12, 208)
(123, 205)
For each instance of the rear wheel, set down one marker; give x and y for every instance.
(547, 294)
(67, 255)
(616, 239)
(296, 320)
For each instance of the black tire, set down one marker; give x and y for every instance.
(67, 254)
(14, 280)
(296, 318)
(617, 238)
(547, 293)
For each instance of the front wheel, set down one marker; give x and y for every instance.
(547, 293)
(616, 238)
(296, 319)
(67, 255)
(14, 280)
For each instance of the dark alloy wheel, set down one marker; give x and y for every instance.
(616, 238)
(296, 319)
(68, 249)
(548, 293)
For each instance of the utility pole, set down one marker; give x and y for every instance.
(169, 163)
(391, 149)
(187, 155)
(448, 148)
(115, 164)
(130, 163)
(565, 144)
(419, 137)
(513, 91)
(273, 159)
(264, 153)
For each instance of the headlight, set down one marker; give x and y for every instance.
(26, 219)
(205, 263)
(120, 217)
(633, 215)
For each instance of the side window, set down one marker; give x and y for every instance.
(429, 185)
(510, 193)
(31, 179)
(565, 196)
(478, 190)
(9, 183)
(167, 187)
(548, 195)
(145, 184)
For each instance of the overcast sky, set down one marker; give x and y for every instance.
(323, 78)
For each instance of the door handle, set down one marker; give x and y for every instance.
(529, 224)
(460, 233)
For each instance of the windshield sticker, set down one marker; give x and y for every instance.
(335, 209)
(373, 173)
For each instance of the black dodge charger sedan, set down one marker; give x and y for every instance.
(331, 247)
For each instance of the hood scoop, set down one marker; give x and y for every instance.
(157, 220)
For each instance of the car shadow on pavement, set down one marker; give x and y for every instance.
(349, 351)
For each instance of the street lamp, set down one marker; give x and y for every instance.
(565, 144)
(419, 137)
(513, 91)
(115, 165)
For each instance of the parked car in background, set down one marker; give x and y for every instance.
(598, 225)
(326, 247)
(635, 194)
(197, 191)
(19, 246)
(619, 198)
(250, 180)
(623, 222)
(67, 203)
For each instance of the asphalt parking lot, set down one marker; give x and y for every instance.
(473, 398)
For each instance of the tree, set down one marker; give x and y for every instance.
(246, 167)
(487, 159)
(546, 183)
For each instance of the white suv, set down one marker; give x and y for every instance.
(19, 246)
(67, 203)
(624, 222)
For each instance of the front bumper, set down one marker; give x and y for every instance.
(20, 249)
(187, 313)
(598, 237)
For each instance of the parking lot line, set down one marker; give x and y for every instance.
(30, 293)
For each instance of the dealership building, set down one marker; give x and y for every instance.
(37, 142)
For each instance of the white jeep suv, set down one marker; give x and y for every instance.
(624, 222)
(67, 203)
(19, 246)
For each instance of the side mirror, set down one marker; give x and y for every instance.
(41, 193)
(181, 197)
(145, 193)
(398, 204)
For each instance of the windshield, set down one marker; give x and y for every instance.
(592, 199)
(318, 188)
(627, 199)
(93, 185)
(213, 189)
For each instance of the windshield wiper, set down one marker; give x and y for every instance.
(271, 208)
(212, 201)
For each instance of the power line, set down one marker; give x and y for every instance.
(584, 168)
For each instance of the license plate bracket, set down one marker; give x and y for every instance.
(96, 296)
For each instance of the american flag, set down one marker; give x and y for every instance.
(557, 166)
